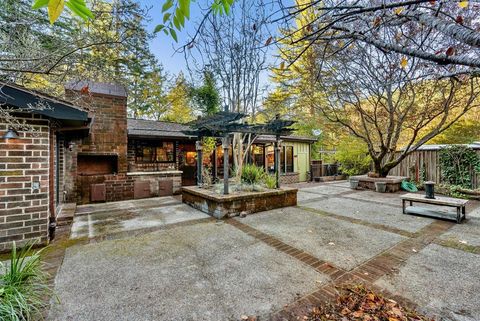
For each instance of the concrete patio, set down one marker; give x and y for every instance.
(157, 259)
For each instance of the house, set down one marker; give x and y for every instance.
(70, 155)
(30, 162)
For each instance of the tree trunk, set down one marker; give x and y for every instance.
(380, 170)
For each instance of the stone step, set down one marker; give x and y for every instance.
(66, 213)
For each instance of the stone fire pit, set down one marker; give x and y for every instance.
(222, 206)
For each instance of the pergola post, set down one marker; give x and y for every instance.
(226, 146)
(199, 148)
(277, 160)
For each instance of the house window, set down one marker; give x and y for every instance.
(257, 155)
(155, 152)
(286, 159)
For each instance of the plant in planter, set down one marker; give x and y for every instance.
(270, 181)
(252, 174)
(23, 285)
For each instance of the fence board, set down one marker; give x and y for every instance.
(411, 167)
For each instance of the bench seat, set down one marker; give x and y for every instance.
(459, 204)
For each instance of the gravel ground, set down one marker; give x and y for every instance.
(207, 271)
(339, 242)
(445, 282)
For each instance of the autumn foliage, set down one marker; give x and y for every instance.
(357, 303)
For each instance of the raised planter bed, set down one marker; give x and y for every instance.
(222, 206)
(393, 182)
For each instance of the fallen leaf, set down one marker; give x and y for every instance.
(413, 250)
(269, 40)
(463, 4)
(404, 62)
(450, 51)
(398, 10)
(459, 20)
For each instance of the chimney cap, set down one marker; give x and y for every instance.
(101, 88)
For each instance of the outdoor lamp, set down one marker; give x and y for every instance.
(10, 134)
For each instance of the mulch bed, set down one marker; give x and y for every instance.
(357, 303)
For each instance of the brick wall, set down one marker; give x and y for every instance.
(24, 163)
(289, 178)
(108, 135)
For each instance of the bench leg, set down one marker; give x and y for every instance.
(411, 203)
(459, 217)
(464, 212)
(403, 206)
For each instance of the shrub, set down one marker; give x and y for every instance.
(352, 154)
(270, 181)
(458, 164)
(252, 174)
(23, 286)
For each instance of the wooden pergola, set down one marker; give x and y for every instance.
(223, 124)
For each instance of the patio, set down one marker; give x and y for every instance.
(158, 259)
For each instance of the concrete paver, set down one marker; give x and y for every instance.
(206, 271)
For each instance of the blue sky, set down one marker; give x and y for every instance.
(164, 46)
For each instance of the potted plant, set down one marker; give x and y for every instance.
(381, 187)
(353, 183)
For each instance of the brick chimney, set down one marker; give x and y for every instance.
(107, 105)
(100, 157)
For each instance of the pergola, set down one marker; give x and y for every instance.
(223, 124)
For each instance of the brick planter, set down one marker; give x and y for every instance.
(222, 206)
(393, 182)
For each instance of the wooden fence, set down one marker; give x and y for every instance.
(412, 165)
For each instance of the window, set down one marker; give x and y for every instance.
(155, 152)
(257, 155)
(286, 159)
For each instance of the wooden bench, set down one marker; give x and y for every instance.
(459, 204)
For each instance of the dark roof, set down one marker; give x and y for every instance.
(101, 88)
(19, 97)
(290, 138)
(474, 145)
(159, 129)
(156, 129)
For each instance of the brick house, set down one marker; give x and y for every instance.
(74, 156)
(30, 165)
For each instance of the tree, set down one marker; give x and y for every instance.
(178, 100)
(113, 47)
(206, 98)
(389, 104)
(230, 46)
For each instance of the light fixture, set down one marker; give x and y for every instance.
(10, 134)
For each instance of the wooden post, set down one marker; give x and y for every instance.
(277, 160)
(225, 145)
(199, 147)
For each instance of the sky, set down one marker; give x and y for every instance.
(163, 46)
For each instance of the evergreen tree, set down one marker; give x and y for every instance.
(206, 98)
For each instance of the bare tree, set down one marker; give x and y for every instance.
(390, 104)
(451, 28)
(231, 47)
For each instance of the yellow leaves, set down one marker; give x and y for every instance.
(398, 10)
(463, 4)
(55, 8)
(404, 62)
